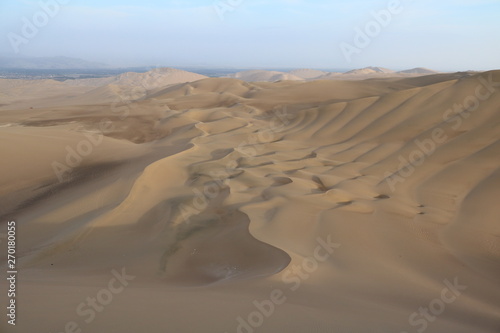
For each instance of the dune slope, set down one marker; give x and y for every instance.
(327, 206)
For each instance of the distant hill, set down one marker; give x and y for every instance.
(419, 70)
(123, 87)
(308, 73)
(156, 78)
(381, 69)
(49, 63)
(370, 70)
(264, 76)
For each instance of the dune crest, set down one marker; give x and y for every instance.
(349, 197)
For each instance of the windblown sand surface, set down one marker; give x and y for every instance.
(230, 206)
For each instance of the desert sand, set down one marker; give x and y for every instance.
(169, 202)
(315, 75)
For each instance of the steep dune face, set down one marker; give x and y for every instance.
(354, 203)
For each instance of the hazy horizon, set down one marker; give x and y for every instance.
(148, 67)
(445, 36)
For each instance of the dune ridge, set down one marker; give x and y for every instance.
(213, 193)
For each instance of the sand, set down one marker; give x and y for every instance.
(315, 75)
(221, 205)
(265, 76)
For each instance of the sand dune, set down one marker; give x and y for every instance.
(264, 76)
(370, 70)
(20, 93)
(342, 206)
(311, 74)
(419, 70)
(128, 86)
(374, 73)
(155, 78)
(308, 73)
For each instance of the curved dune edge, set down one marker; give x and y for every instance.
(214, 193)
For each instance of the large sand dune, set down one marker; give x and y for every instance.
(264, 75)
(21, 94)
(232, 206)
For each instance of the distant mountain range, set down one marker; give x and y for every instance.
(49, 63)
(419, 70)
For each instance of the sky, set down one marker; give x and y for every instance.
(447, 35)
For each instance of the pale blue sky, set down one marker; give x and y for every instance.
(444, 34)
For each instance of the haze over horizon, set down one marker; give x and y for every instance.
(263, 34)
